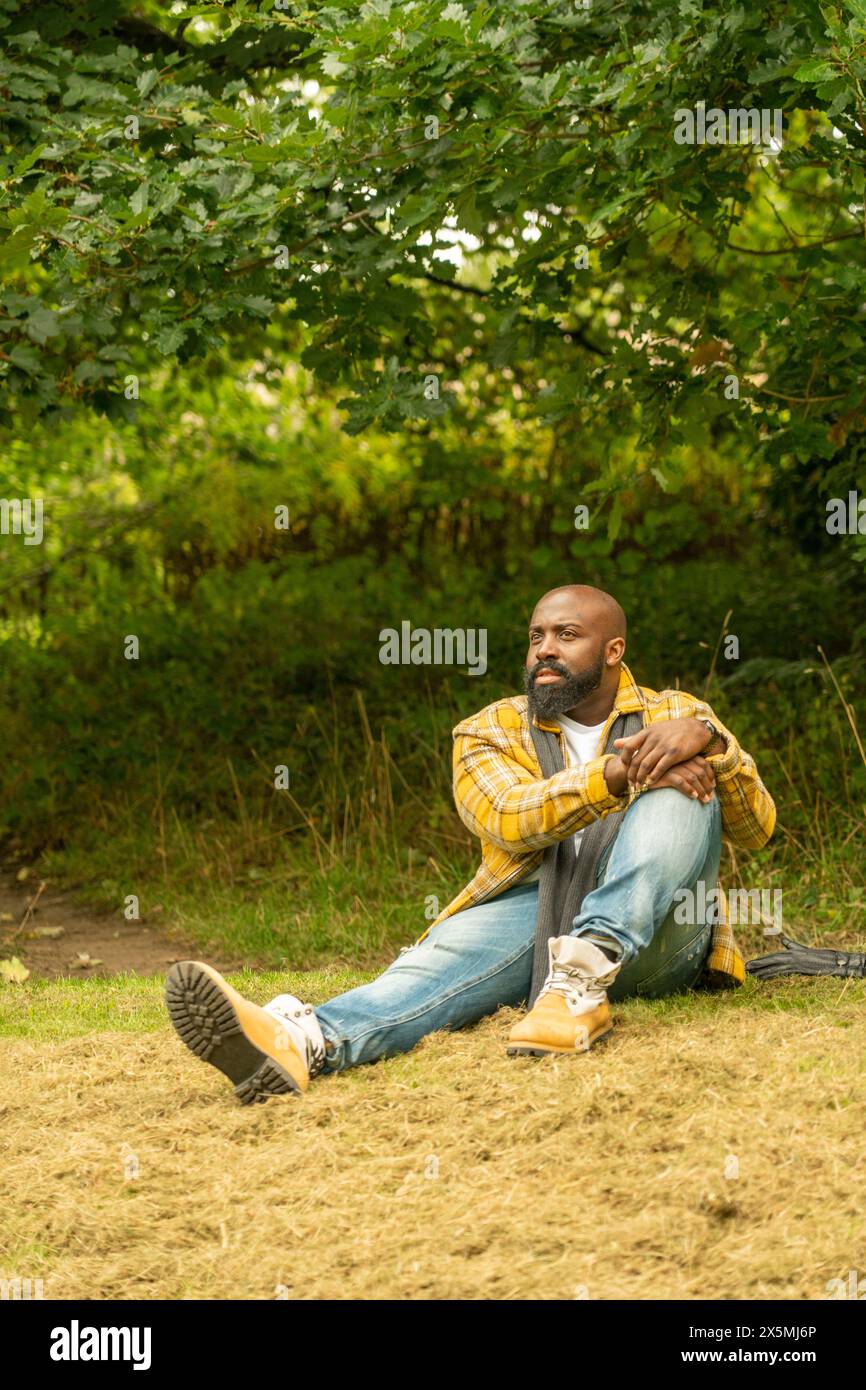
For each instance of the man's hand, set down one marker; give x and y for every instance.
(694, 778)
(650, 753)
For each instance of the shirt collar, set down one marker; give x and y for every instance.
(628, 698)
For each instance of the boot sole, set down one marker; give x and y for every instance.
(206, 1021)
(539, 1050)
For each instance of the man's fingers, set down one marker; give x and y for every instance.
(650, 764)
(626, 751)
(695, 768)
(652, 760)
(634, 772)
(693, 778)
(635, 767)
(705, 774)
(681, 782)
(633, 740)
(691, 784)
(656, 764)
(702, 772)
(663, 763)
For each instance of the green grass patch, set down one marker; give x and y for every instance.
(279, 901)
(54, 1010)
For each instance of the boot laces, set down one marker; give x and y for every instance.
(575, 988)
(298, 1019)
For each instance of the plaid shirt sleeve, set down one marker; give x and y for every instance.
(500, 796)
(748, 810)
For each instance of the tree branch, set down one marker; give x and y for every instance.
(126, 523)
(576, 333)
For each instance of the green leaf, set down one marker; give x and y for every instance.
(169, 339)
(26, 358)
(15, 250)
(147, 81)
(419, 207)
(468, 215)
(816, 70)
(42, 324)
(258, 304)
(332, 66)
(90, 371)
(27, 162)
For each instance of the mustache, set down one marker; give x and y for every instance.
(555, 666)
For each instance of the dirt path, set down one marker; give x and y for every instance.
(53, 936)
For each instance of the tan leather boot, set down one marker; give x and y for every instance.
(571, 1011)
(266, 1051)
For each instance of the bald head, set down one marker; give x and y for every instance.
(594, 606)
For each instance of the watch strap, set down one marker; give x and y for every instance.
(715, 736)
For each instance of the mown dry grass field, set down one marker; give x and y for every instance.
(712, 1149)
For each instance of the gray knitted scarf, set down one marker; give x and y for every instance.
(566, 878)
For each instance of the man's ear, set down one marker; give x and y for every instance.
(614, 651)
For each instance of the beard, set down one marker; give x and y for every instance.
(547, 701)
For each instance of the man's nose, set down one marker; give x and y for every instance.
(547, 650)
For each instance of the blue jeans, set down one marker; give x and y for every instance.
(481, 958)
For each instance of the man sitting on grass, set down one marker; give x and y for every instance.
(595, 801)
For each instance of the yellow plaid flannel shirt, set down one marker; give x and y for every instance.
(516, 813)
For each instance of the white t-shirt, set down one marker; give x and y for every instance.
(581, 746)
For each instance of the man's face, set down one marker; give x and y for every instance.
(565, 661)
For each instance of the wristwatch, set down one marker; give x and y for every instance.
(716, 738)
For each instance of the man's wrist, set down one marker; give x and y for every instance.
(716, 743)
(616, 775)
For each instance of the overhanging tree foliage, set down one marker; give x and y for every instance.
(174, 181)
